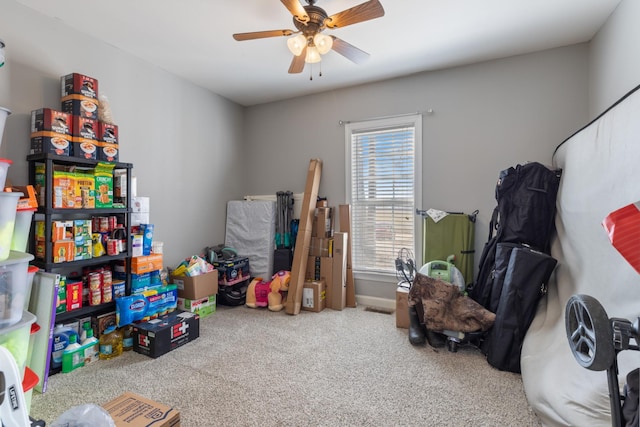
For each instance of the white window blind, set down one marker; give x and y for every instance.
(383, 188)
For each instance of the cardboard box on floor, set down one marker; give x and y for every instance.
(132, 410)
(314, 296)
(196, 287)
(402, 307)
(333, 271)
(344, 213)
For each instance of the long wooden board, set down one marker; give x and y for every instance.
(303, 241)
(345, 227)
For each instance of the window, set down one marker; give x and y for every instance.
(383, 187)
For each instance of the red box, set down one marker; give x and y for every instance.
(79, 84)
(107, 133)
(74, 295)
(47, 119)
(84, 127)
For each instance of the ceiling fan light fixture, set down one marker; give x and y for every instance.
(323, 43)
(296, 44)
(313, 55)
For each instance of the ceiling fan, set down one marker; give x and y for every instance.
(310, 21)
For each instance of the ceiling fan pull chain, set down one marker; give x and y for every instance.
(310, 71)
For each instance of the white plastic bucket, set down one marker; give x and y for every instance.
(4, 112)
(8, 209)
(4, 170)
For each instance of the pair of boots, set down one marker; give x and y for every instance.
(418, 333)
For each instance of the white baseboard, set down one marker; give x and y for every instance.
(376, 302)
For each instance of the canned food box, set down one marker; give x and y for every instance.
(84, 127)
(79, 105)
(85, 148)
(47, 119)
(108, 152)
(50, 142)
(79, 84)
(107, 132)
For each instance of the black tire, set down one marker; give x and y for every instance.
(589, 333)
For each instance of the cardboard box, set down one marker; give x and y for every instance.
(232, 271)
(47, 119)
(402, 306)
(108, 152)
(146, 264)
(140, 204)
(84, 148)
(50, 142)
(203, 307)
(102, 321)
(78, 84)
(164, 334)
(338, 299)
(323, 222)
(313, 296)
(63, 250)
(196, 287)
(132, 410)
(79, 105)
(107, 133)
(321, 246)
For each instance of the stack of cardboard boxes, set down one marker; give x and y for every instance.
(327, 263)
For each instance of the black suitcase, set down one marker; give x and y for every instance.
(524, 283)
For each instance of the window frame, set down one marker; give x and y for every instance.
(414, 120)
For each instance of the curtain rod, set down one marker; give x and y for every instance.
(346, 122)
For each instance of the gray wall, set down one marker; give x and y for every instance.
(184, 142)
(487, 117)
(614, 63)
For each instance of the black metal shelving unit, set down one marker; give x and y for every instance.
(51, 214)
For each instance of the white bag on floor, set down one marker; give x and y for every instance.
(84, 416)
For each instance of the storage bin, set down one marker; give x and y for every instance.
(15, 338)
(29, 381)
(4, 113)
(13, 287)
(4, 169)
(8, 209)
(21, 229)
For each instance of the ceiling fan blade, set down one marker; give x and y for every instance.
(349, 51)
(363, 12)
(296, 10)
(261, 34)
(297, 63)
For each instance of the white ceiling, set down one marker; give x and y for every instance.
(193, 38)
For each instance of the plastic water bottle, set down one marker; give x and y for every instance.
(127, 337)
(110, 343)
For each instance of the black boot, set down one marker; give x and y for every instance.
(435, 339)
(416, 330)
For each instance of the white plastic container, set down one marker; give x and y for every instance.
(15, 338)
(21, 229)
(4, 113)
(8, 209)
(13, 287)
(4, 170)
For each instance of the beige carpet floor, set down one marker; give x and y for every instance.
(253, 367)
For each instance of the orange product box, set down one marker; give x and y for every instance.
(146, 264)
(61, 230)
(64, 251)
(74, 295)
(28, 199)
(64, 190)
